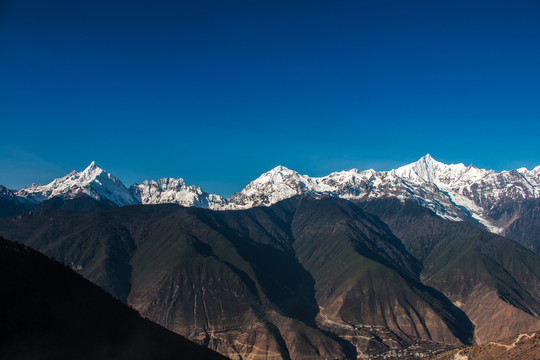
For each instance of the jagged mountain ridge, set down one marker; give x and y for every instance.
(174, 191)
(455, 192)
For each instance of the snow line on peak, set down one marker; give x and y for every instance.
(453, 191)
(92, 181)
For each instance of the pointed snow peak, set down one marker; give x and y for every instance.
(428, 161)
(92, 170)
(420, 168)
(91, 167)
(277, 174)
(92, 181)
(280, 169)
(427, 169)
(430, 166)
(272, 186)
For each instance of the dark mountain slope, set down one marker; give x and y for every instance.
(81, 202)
(49, 312)
(493, 279)
(10, 205)
(372, 279)
(185, 269)
(89, 242)
(248, 283)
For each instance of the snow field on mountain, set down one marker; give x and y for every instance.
(456, 192)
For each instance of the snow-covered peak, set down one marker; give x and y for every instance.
(92, 181)
(347, 178)
(454, 191)
(428, 163)
(92, 170)
(279, 172)
(351, 173)
(275, 185)
(166, 183)
(279, 179)
(175, 191)
(91, 167)
(427, 169)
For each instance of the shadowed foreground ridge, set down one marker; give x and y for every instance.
(47, 311)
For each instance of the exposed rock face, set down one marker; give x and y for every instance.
(302, 279)
(174, 191)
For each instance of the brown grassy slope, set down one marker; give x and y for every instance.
(525, 346)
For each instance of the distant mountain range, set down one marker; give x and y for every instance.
(505, 203)
(357, 264)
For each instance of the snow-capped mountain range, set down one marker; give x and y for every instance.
(92, 181)
(456, 192)
(175, 191)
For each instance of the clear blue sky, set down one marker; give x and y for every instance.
(218, 92)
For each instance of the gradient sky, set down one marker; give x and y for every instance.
(217, 92)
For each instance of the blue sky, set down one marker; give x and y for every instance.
(218, 92)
